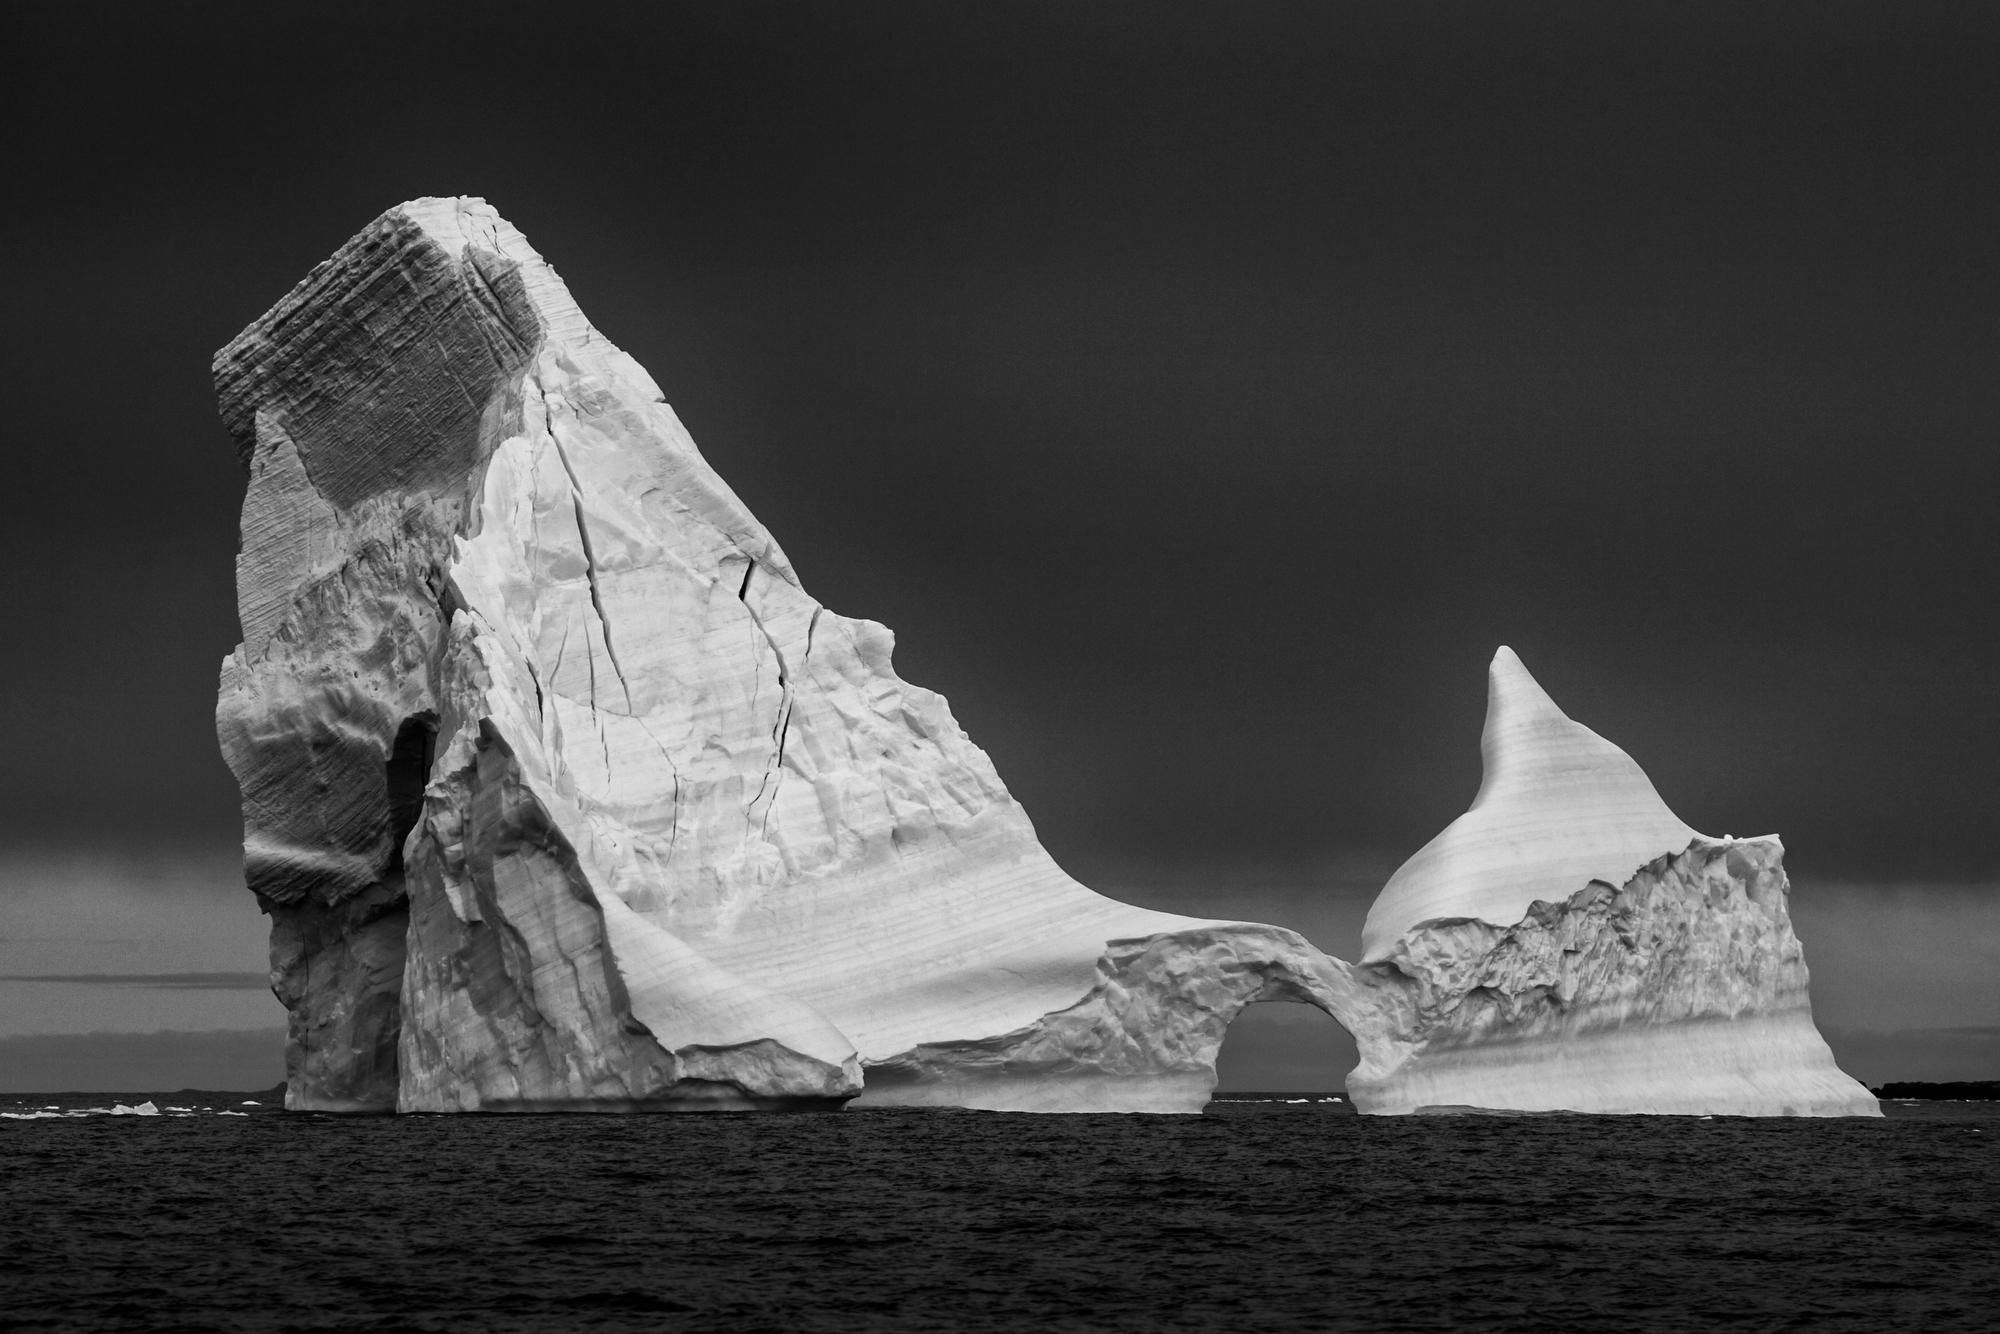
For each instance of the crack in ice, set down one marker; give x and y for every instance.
(589, 552)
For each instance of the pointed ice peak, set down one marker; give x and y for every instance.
(1558, 807)
(1529, 744)
(1512, 693)
(1517, 711)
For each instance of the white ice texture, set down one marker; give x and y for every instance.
(563, 793)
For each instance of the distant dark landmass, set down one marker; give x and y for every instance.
(1977, 1090)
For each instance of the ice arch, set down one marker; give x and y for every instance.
(1146, 1036)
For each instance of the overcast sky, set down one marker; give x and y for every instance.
(1201, 393)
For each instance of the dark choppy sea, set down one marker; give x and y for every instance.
(1261, 1215)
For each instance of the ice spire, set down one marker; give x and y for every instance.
(1558, 807)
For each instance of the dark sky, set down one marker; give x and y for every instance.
(1200, 393)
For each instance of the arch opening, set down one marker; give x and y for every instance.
(1284, 1047)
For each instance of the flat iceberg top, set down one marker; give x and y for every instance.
(1558, 807)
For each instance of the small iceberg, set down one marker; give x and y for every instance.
(143, 1109)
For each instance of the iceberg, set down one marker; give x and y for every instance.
(562, 793)
(560, 790)
(1569, 944)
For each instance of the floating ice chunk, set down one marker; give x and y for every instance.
(143, 1109)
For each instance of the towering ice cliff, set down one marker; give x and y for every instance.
(562, 792)
(1568, 943)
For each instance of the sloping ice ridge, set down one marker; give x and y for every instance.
(562, 793)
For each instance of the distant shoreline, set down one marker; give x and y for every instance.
(1979, 1090)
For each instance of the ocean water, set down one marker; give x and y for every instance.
(1260, 1215)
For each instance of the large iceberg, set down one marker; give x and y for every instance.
(1568, 943)
(562, 793)
(560, 790)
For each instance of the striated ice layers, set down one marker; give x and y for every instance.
(1568, 943)
(561, 792)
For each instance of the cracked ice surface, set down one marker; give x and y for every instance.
(686, 838)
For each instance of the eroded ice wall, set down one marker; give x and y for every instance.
(684, 838)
